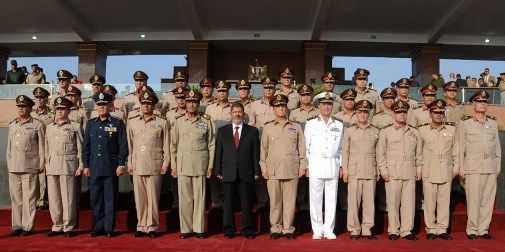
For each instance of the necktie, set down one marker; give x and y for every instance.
(236, 137)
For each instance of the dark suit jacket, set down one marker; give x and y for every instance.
(243, 162)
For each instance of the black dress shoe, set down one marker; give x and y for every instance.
(471, 237)
(25, 233)
(53, 233)
(275, 236)
(201, 235)
(444, 236)
(185, 235)
(138, 234)
(290, 236)
(354, 237)
(16, 232)
(69, 234)
(487, 237)
(431, 236)
(370, 237)
(250, 235)
(152, 234)
(394, 237)
(94, 234)
(229, 235)
(110, 234)
(410, 237)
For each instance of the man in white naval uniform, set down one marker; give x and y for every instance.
(323, 136)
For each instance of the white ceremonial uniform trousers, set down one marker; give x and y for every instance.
(318, 186)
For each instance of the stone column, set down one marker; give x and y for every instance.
(92, 60)
(198, 60)
(4, 56)
(425, 61)
(315, 61)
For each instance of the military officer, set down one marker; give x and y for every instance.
(25, 159)
(77, 113)
(421, 115)
(244, 94)
(42, 112)
(172, 116)
(15, 75)
(168, 99)
(64, 78)
(323, 136)
(454, 110)
(385, 116)
(63, 163)
(479, 160)
(328, 80)
(220, 115)
(149, 158)
(301, 114)
(115, 111)
(192, 157)
(207, 89)
(399, 162)
(97, 83)
(135, 105)
(282, 162)
(306, 110)
(362, 89)
(347, 114)
(359, 169)
(262, 112)
(437, 140)
(131, 100)
(104, 154)
(402, 87)
(286, 79)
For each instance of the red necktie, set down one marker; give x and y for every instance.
(236, 137)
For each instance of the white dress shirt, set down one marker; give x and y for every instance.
(233, 125)
(324, 147)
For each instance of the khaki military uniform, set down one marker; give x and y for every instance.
(437, 173)
(383, 119)
(293, 96)
(131, 102)
(63, 158)
(204, 103)
(53, 97)
(479, 157)
(173, 114)
(79, 115)
(369, 95)
(419, 116)
(399, 155)
(454, 112)
(192, 154)
(46, 116)
(360, 164)
(347, 117)
(412, 103)
(301, 115)
(168, 101)
(25, 159)
(149, 148)
(88, 103)
(247, 109)
(282, 157)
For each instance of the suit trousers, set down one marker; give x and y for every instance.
(147, 197)
(103, 198)
(23, 191)
(191, 203)
(401, 204)
(282, 194)
(216, 192)
(361, 192)
(480, 196)
(319, 187)
(62, 202)
(246, 194)
(437, 198)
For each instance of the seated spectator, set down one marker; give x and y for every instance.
(437, 80)
(474, 82)
(44, 80)
(488, 79)
(34, 77)
(452, 77)
(15, 75)
(460, 82)
(480, 82)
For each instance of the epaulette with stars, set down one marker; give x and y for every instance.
(450, 123)
(267, 122)
(312, 117)
(337, 119)
(134, 116)
(179, 116)
(387, 126)
(424, 124)
(491, 117)
(205, 116)
(161, 117)
(351, 125)
(380, 112)
(464, 118)
(294, 120)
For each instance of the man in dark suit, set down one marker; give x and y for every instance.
(236, 163)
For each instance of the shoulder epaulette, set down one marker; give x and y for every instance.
(294, 120)
(161, 117)
(72, 120)
(203, 115)
(13, 120)
(450, 123)
(131, 117)
(380, 112)
(373, 126)
(351, 125)
(312, 117)
(337, 119)
(267, 122)
(37, 119)
(387, 126)
(179, 116)
(120, 109)
(412, 126)
(464, 118)
(491, 117)
(424, 124)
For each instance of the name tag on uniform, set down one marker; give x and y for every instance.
(292, 130)
(110, 129)
(335, 129)
(201, 125)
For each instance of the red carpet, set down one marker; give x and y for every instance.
(171, 242)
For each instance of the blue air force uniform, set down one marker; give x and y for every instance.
(105, 148)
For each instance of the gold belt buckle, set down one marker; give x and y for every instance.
(485, 156)
(143, 148)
